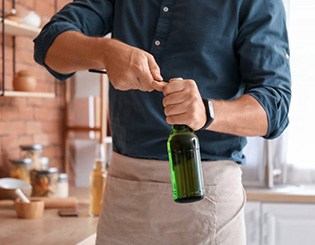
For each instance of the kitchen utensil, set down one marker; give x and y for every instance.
(21, 195)
(24, 81)
(32, 210)
(56, 202)
(9, 185)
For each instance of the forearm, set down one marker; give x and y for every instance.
(72, 51)
(243, 116)
(127, 67)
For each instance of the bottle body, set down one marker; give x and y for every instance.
(185, 164)
(97, 186)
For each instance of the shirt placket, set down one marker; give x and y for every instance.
(162, 27)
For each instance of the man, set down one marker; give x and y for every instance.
(233, 53)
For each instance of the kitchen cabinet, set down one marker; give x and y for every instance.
(288, 224)
(14, 29)
(280, 223)
(252, 221)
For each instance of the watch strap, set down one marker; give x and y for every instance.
(209, 113)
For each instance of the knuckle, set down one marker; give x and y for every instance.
(138, 67)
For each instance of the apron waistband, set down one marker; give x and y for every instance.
(152, 170)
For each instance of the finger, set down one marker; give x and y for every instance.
(144, 76)
(177, 119)
(174, 85)
(175, 98)
(173, 110)
(145, 81)
(154, 68)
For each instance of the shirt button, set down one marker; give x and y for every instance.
(157, 43)
(165, 9)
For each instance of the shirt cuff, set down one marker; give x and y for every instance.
(43, 41)
(277, 116)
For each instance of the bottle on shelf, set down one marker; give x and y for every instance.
(97, 182)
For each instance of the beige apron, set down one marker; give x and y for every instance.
(138, 207)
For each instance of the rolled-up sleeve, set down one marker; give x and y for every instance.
(91, 17)
(263, 52)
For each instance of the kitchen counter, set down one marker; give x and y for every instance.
(51, 228)
(282, 194)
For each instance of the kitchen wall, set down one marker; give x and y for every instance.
(31, 120)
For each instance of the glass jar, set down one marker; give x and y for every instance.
(62, 186)
(44, 163)
(44, 182)
(34, 152)
(20, 169)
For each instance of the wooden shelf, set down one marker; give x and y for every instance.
(28, 94)
(83, 128)
(15, 29)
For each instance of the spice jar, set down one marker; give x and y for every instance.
(44, 163)
(20, 169)
(44, 182)
(62, 186)
(33, 152)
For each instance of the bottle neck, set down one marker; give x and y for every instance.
(180, 127)
(99, 164)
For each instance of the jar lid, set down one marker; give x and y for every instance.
(36, 147)
(44, 162)
(52, 170)
(63, 177)
(24, 161)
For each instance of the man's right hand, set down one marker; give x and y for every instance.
(131, 68)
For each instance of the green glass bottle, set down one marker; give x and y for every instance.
(185, 163)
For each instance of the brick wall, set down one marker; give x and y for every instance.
(31, 120)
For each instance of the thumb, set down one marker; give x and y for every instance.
(159, 85)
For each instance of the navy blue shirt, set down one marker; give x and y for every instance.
(229, 47)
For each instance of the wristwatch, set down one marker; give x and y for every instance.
(209, 112)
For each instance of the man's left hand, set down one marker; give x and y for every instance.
(183, 103)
